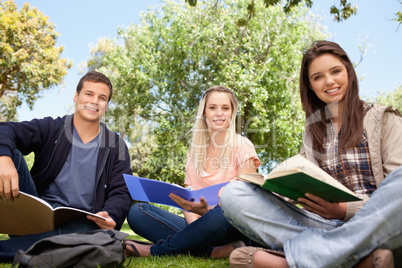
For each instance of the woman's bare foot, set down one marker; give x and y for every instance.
(222, 251)
(134, 249)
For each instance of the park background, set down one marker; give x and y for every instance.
(157, 129)
(161, 56)
(82, 23)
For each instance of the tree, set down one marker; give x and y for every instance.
(160, 68)
(393, 98)
(30, 62)
(398, 16)
(340, 12)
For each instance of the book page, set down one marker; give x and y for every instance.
(65, 214)
(299, 162)
(255, 178)
(27, 214)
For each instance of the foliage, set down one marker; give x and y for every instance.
(393, 98)
(29, 60)
(30, 158)
(160, 68)
(398, 16)
(341, 12)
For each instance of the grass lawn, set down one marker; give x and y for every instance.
(166, 261)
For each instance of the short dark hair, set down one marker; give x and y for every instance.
(95, 77)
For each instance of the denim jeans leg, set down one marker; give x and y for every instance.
(8, 248)
(199, 237)
(376, 225)
(154, 223)
(26, 184)
(265, 218)
(79, 225)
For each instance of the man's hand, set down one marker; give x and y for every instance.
(103, 224)
(8, 178)
(199, 208)
(325, 209)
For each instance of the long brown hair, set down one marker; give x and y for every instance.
(316, 110)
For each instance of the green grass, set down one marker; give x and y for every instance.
(178, 261)
(154, 262)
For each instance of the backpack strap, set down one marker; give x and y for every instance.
(22, 259)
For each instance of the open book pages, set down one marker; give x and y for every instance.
(28, 214)
(297, 176)
(300, 163)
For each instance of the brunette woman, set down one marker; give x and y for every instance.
(358, 144)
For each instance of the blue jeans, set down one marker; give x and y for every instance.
(172, 235)
(26, 184)
(154, 223)
(309, 240)
(8, 248)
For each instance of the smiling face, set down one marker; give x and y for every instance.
(328, 78)
(91, 102)
(218, 111)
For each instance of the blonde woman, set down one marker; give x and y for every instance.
(216, 155)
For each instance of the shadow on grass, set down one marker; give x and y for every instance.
(156, 262)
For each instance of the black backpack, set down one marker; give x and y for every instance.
(99, 248)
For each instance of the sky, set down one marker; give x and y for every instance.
(82, 22)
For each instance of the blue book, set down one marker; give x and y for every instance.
(154, 191)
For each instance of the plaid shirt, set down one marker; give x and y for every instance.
(352, 166)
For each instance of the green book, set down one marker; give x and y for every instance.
(297, 176)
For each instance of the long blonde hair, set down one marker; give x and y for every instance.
(199, 140)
